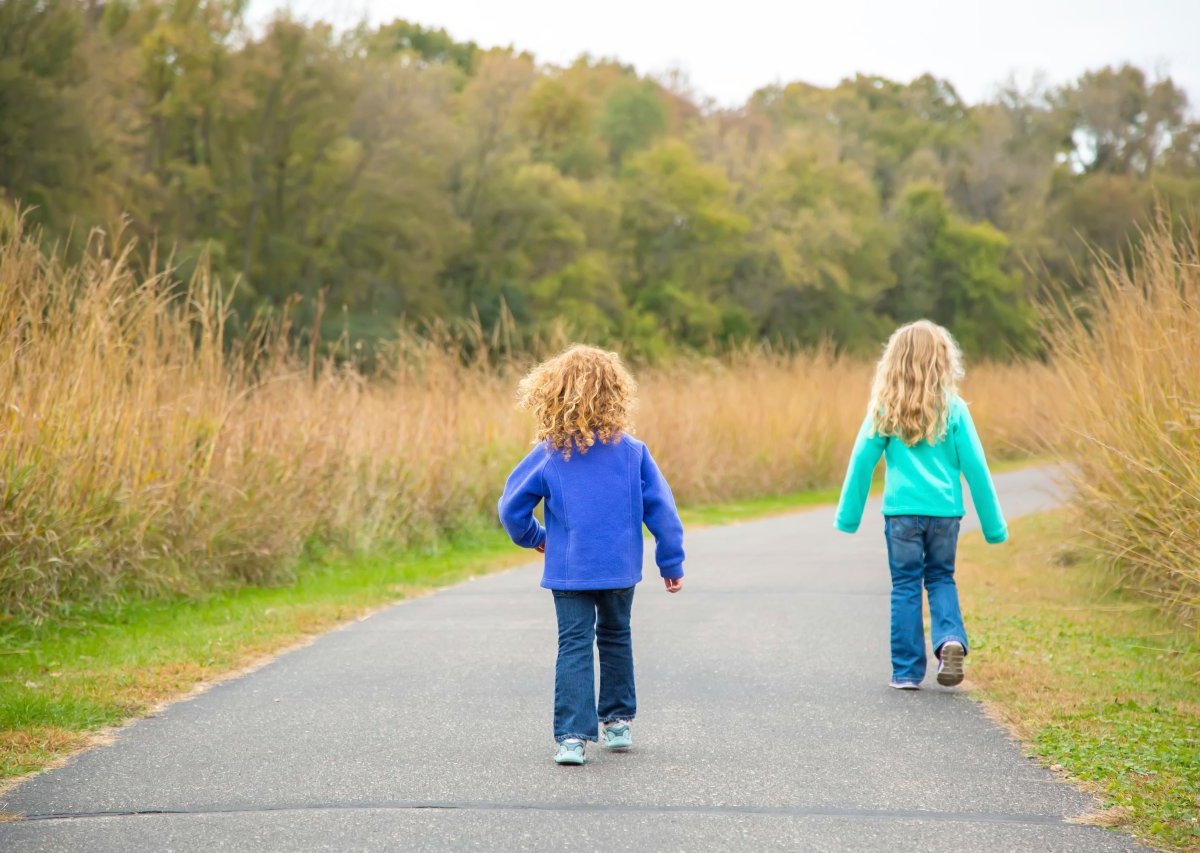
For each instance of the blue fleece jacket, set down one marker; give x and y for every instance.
(596, 503)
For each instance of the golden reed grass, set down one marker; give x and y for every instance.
(144, 452)
(1129, 359)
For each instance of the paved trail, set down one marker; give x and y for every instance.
(766, 723)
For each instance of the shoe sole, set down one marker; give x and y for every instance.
(570, 761)
(619, 747)
(905, 686)
(951, 672)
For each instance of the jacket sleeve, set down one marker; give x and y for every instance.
(868, 448)
(975, 469)
(662, 518)
(523, 491)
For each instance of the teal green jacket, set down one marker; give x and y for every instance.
(925, 479)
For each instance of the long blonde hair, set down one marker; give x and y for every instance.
(915, 381)
(578, 397)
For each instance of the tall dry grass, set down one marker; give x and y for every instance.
(143, 452)
(761, 423)
(1129, 359)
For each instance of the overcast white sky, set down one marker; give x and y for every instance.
(730, 49)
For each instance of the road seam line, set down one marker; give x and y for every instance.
(779, 811)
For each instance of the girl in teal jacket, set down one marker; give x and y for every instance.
(920, 425)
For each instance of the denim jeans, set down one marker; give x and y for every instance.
(921, 550)
(588, 617)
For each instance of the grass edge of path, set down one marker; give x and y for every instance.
(1092, 682)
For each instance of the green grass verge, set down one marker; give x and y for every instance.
(1100, 684)
(64, 679)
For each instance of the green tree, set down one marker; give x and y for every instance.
(428, 44)
(387, 229)
(954, 273)
(633, 116)
(816, 238)
(45, 149)
(492, 150)
(1121, 122)
(685, 237)
(293, 161)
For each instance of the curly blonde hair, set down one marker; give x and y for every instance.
(915, 381)
(580, 396)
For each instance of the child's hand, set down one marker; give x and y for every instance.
(541, 549)
(673, 584)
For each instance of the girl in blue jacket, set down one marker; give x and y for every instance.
(600, 485)
(917, 422)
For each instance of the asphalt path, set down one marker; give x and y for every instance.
(765, 722)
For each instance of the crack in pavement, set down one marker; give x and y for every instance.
(778, 811)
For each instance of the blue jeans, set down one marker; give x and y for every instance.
(588, 617)
(921, 549)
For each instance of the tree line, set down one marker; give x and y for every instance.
(408, 177)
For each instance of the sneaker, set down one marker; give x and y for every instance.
(570, 751)
(617, 735)
(905, 685)
(950, 666)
